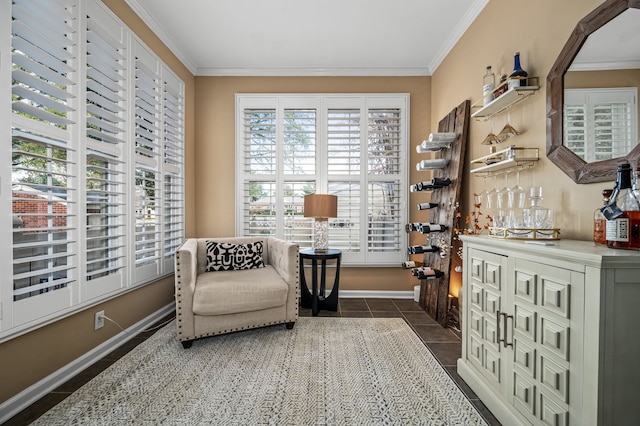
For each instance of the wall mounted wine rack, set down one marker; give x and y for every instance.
(434, 292)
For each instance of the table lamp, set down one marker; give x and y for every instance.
(320, 207)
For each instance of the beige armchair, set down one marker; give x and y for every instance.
(222, 301)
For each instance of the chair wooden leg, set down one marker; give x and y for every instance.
(187, 344)
(290, 325)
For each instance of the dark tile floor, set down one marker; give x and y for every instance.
(445, 344)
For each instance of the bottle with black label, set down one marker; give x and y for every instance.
(413, 226)
(434, 183)
(518, 76)
(425, 273)
(427, 228)
(623, 213)
(423, 249)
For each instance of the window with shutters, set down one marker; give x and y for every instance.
(97, 126)
(601, 124)
(352, 146)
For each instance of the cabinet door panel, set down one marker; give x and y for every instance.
(524, 356)
(524, 394)
(491, 302)
(492, 364)
(552, 413)
(525, 286)
(477, 268)
(492, 275)
(475, 351)
(525, 322)
(475, 323)
(490, 328)
(554, 295)
(554, 337)
(476, 296)
(554, 378)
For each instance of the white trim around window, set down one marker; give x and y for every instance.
(349, 145)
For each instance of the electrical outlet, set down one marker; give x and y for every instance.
(98, 320)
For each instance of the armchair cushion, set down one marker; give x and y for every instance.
(225, 256)
(231, 292)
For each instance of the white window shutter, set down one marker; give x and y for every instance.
(44, 191)
(106, 177)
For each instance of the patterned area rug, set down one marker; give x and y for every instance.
(326, 371)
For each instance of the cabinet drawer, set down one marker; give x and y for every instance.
(487, 268)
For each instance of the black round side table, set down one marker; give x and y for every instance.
(315, 299)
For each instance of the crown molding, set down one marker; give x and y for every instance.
(310, 72)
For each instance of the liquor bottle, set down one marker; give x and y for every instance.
(423, 249)
(600, 222)
(428, 146)
(421, 269)
(426, 228)
(427, 206)
(437, 163)
(410, 264)
(623, 213)
(519, 76)
(422, 273)
(488, 84)
(502, 86)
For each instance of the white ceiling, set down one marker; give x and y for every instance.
(305, 37)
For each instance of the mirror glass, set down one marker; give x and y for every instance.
(601, 91)
(601, 53)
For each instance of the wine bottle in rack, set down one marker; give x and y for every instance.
(410, 264)
(413, 226)
(442, 137)
(436, 163)
(427, 206)
(428, 146)
(427, 228)
(423, 249)
(425, 272)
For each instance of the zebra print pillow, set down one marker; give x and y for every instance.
(231, 257)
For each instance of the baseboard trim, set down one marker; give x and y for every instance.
(374, 294)
(19, 402)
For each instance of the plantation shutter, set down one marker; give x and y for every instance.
(259, 160)
(105, 147)
(600, 124)
(44, 191)
(384, 168)
(299, 172)
(173, 144)
(148, 117)
(344, 153)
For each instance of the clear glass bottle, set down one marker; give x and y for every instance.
(518, 76)
(600, 222)
(623, 213)
(488, 84)
(537, 217)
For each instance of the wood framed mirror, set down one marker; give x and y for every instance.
(558, 152)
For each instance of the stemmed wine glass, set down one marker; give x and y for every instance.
(503, 193)
(492, 195)
(517, 195)
(482, 195)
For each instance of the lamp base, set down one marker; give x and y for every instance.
(320, 235)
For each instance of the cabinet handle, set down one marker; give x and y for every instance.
(504, 341)
(498, 314)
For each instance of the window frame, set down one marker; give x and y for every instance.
(322, 178)
(88, 288)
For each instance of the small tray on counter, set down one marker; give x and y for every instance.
(525, 233)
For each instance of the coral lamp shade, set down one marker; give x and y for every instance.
(320, 205)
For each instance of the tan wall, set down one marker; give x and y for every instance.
(538, 31)
(215, 149)
(31, 357)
